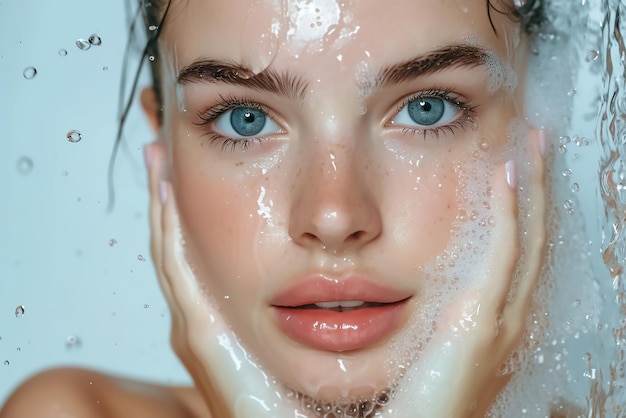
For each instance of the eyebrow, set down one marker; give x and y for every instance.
(448, 57)
(268, 80)
(294, 87)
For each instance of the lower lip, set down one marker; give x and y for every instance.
(340, 331)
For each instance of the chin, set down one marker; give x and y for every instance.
(336, 377)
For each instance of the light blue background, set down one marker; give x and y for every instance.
(55, 257)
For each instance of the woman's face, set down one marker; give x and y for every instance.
(321, 155)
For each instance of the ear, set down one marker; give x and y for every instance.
(151, 108)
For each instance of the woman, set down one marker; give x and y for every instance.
(334, 211)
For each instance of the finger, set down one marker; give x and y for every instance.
(153, 162)
(535, 231)
(154, 154)
(505, 246)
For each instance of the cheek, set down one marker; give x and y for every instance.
(220, 220)
(421, 205)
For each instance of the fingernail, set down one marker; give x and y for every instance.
(163, 191)
(147, 155)
(511, 174)
(542, 141)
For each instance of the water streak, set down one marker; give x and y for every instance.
(611, 133)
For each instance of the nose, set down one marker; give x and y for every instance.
(335, 203)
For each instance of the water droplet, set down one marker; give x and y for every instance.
(83, 44)
(62, 52)
(19, 311)
(484, 145)
(24, 165)
(95, 40)
(29, 73)
(141, 258)
(6, 362)
(112, 242)
(72, 342)
(592, 55)
(74, 136)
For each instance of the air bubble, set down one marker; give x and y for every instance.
(95, 40)
(112, 242)
(24, 166)
(562, 148)
(146, 306)
(152, 58)
(141, 258)
(575, 187)
(19, 311)
(567, 172)
(29, 73)
(105, 68)
(592, 55)
(152, 28)
(569, 206)
(519, 3)
(6, 362)
(62, 52)
(571, 92)
(74, 136)
(83, 44)
(72, 342)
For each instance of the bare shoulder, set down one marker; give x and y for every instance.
(89, 394)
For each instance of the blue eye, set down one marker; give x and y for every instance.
(427, 112)
(242, 122)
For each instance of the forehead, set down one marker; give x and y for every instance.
(257, 33)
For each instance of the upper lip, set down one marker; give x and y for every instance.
(321, 289)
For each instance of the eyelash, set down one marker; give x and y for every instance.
(227, 103)
(468, 112)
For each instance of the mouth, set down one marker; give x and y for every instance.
(341, 306)
(340, 316)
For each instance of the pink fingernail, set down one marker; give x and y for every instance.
(147, 155)
(511, 174)
(542, 141)
(163, 191)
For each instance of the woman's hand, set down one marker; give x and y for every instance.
(229, 380)
(465, 365)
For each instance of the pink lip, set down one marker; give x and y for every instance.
(331, 330)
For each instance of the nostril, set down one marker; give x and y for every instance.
(355, 236)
